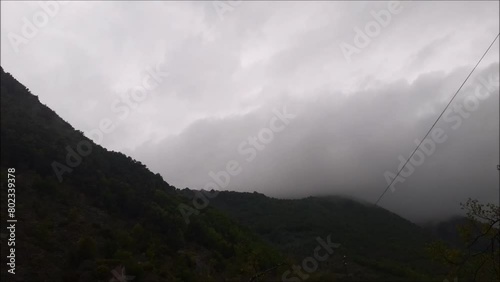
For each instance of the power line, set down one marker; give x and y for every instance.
(456, 93)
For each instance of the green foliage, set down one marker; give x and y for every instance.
(478, 257)
(86, 248)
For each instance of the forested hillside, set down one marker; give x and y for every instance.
(84, 213)
(110, 210)
(378, 244)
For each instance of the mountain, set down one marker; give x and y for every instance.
(378, 244)
(108, 211)
(85, 214)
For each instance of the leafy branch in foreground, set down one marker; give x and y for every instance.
(478, 257)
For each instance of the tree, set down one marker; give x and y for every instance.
(86, 248)
(478, 259)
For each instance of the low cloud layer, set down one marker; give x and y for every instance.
(341, 144)
(222, 68)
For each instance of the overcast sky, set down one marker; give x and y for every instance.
(222, 67)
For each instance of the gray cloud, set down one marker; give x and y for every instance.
(344, 145)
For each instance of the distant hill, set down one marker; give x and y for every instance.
(447, 229)
(379, 244)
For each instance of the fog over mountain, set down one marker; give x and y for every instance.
(218, 75)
